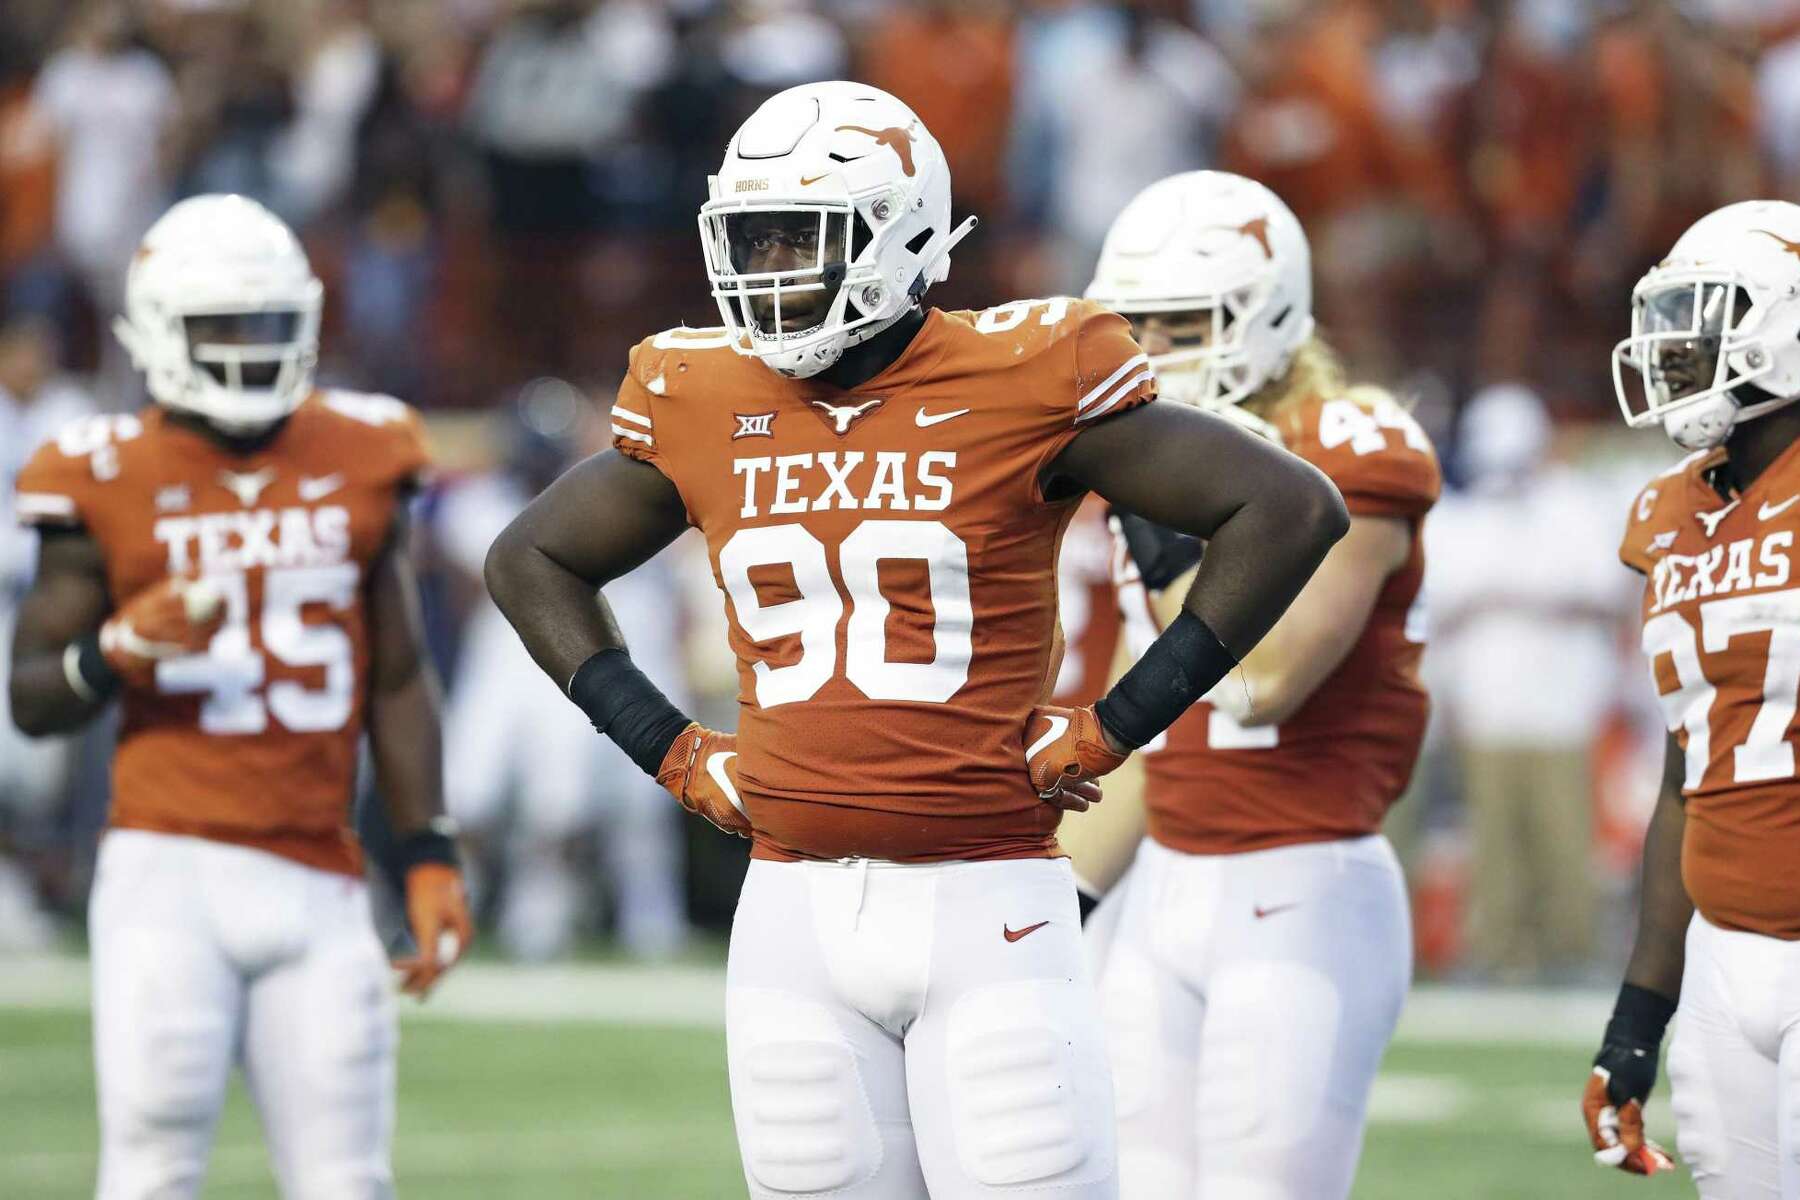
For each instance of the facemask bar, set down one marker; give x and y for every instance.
(1700, 318)
(725, 235)
(218, 370)
(1217, 374)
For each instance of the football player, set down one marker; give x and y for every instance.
(882, 487)
(230, 564)
(1715, 354)
(1257, 954)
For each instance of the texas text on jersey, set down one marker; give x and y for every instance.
(1721, 616)
(255, 741)
(889, 563)
(1259, 786)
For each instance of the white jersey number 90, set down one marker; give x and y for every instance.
(819, 607)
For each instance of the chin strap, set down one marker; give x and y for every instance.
(937, 248)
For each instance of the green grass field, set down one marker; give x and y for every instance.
(615, 1105)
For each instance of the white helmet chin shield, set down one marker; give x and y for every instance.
(828, 219)
(1715, 327)
(1226, 265)
(222, 314)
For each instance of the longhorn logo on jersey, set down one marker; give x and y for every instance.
(843, 416)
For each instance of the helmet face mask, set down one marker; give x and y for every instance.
(222, 314)
(1715, 327)
(248, 351)
(1688, 345)
(1200, 349)
(780, 272)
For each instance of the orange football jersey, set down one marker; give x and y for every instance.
(1334, 768)
(889, 567)
(1721, 615)
(255, 741)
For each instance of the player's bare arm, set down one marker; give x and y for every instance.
(545, 571)
(406, 744)
(1625, 1068)
(1322, 625)
(1269, 519)
(605, 516)
(67, 602)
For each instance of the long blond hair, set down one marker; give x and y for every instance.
(1316, 370)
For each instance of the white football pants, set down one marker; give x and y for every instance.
(1734, 1064)
(205, 954)
(897, 1032)
(1248, 999)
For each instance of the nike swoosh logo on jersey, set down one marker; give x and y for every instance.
(805, 182)
(1013, 935)
(715, 766)
(1270, 911)
(1057, 725)
(318, 489)
(1775, 510)
(926, 421)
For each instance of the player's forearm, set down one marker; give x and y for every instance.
(1659, 954)
(407, 746)
(44, 701)
(1260, 557)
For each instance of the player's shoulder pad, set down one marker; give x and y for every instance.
(386, 432)
(682, 359)
(666, 368)
(1657, 511)
(1370, 446)
(1081, 356)
(65, 477)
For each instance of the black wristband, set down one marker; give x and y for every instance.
(436, 843)
(96, 674)
(624, 705)
(1179, 667)
(1639, 1018)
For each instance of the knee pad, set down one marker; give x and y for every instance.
(179, 1082)
(1268, 1053)
(1700, 1135)
(1131, 1007)
(1030, 1091)
(349, 1062)
(804, 1121)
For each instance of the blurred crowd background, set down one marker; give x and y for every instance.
(501, 196)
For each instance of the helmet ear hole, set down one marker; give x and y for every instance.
(919, 240)
(1281, 317)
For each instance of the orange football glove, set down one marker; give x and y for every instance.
(166, 620)
(437, 909)
(699, 771)
(1065, 751)
(1617, 1131)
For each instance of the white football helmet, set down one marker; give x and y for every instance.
(1212, 245)
(226, 268)
(1715, 326)
(856, 190)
